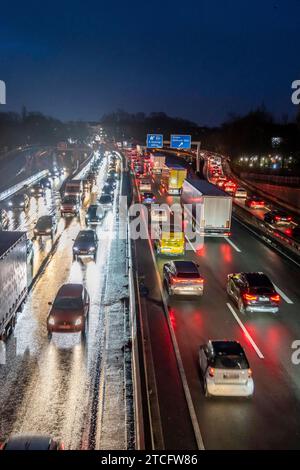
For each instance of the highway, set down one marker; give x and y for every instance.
(270, 419)
(67, 388)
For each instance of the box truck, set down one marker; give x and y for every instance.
(209, 206)
(157, 163)
(172, 179)
(13, 278)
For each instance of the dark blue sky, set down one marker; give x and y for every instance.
(195, 59)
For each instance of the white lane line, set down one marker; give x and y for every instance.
(233, 245)
(254, 345)
(186, 389)
(191, 244)
(283, 295)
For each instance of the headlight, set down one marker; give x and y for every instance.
(10, 203)
(22, 204)
(51, 321)
(74, 207)
(78, 321)
(48, 230)
(92, 248)
(75, 248)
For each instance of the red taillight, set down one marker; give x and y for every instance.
(277, 217)
(249, 373)
(175, 280)
(289, 218)
(249, 297)
(275, 298)
(211, 371)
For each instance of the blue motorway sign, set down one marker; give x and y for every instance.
(155, 141)
(180, 141)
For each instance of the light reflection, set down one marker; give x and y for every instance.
(76, 275)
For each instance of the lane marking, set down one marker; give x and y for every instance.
(193, 416)
(233, 245)
(241, 324)
(283, 295)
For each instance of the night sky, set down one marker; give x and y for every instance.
(196, 59)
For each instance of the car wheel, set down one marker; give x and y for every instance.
(49, 335)
(241, 307)
(206, 392)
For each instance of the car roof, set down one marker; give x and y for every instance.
(28, 442)
(70, 290)
(258, 280)
(221, 347)
(86, 231)
(186, 266)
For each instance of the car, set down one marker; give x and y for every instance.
(255, 202)
(54, 173)
(253, 292)
(182, 278)
(46, 183)
(18, 201)
(106, 201)
(32, 442)
(294, 233)
(85, 244)
(69, 311)
(37, 190)
(46, 225)
(225, 369)
(240, 192)
(158, 214)
(94, 215)
(70, 205)
(278, 217)
(4, 220)
(148, 198)
(108, 190)
(110, 181)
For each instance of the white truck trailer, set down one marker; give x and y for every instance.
(209, 206)
(13, 279)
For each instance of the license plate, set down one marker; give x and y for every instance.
(264, 299)
(65, 327)
(231, 376)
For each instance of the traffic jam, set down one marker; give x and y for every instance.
(220, 299)
(55, 252)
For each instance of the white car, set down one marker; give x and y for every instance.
(225, 369)
(241, 192)
(159, 215)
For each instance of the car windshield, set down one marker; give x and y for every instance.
(69, 200)
(188, 275)
(68, 303)
(85, 236)
(231, 361)
(105, 199)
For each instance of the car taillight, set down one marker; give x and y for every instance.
(211, 371)
(249, 297)
(249, 373)
(275, 298)
(277, 217)
(289, 218)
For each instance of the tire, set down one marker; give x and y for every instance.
(49, 335)
(206, 393)
(241, 307)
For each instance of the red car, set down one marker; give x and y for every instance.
(69, 311)
(255, 202)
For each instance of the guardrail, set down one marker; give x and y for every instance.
(272, 236)
(272, 179)
(17, 187)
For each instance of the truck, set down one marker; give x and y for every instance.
(74, 188)
(209, 207)
(170, 240)
(157, 163)
(13, 279)
(172, 179)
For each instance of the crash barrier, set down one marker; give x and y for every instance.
(23, 184)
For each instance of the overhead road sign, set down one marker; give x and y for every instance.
(155, 141)
(180, 141)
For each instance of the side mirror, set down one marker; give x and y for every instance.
(49, 303)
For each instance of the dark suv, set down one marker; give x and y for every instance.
(85, 244)
(253, 292)
(45, 226)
